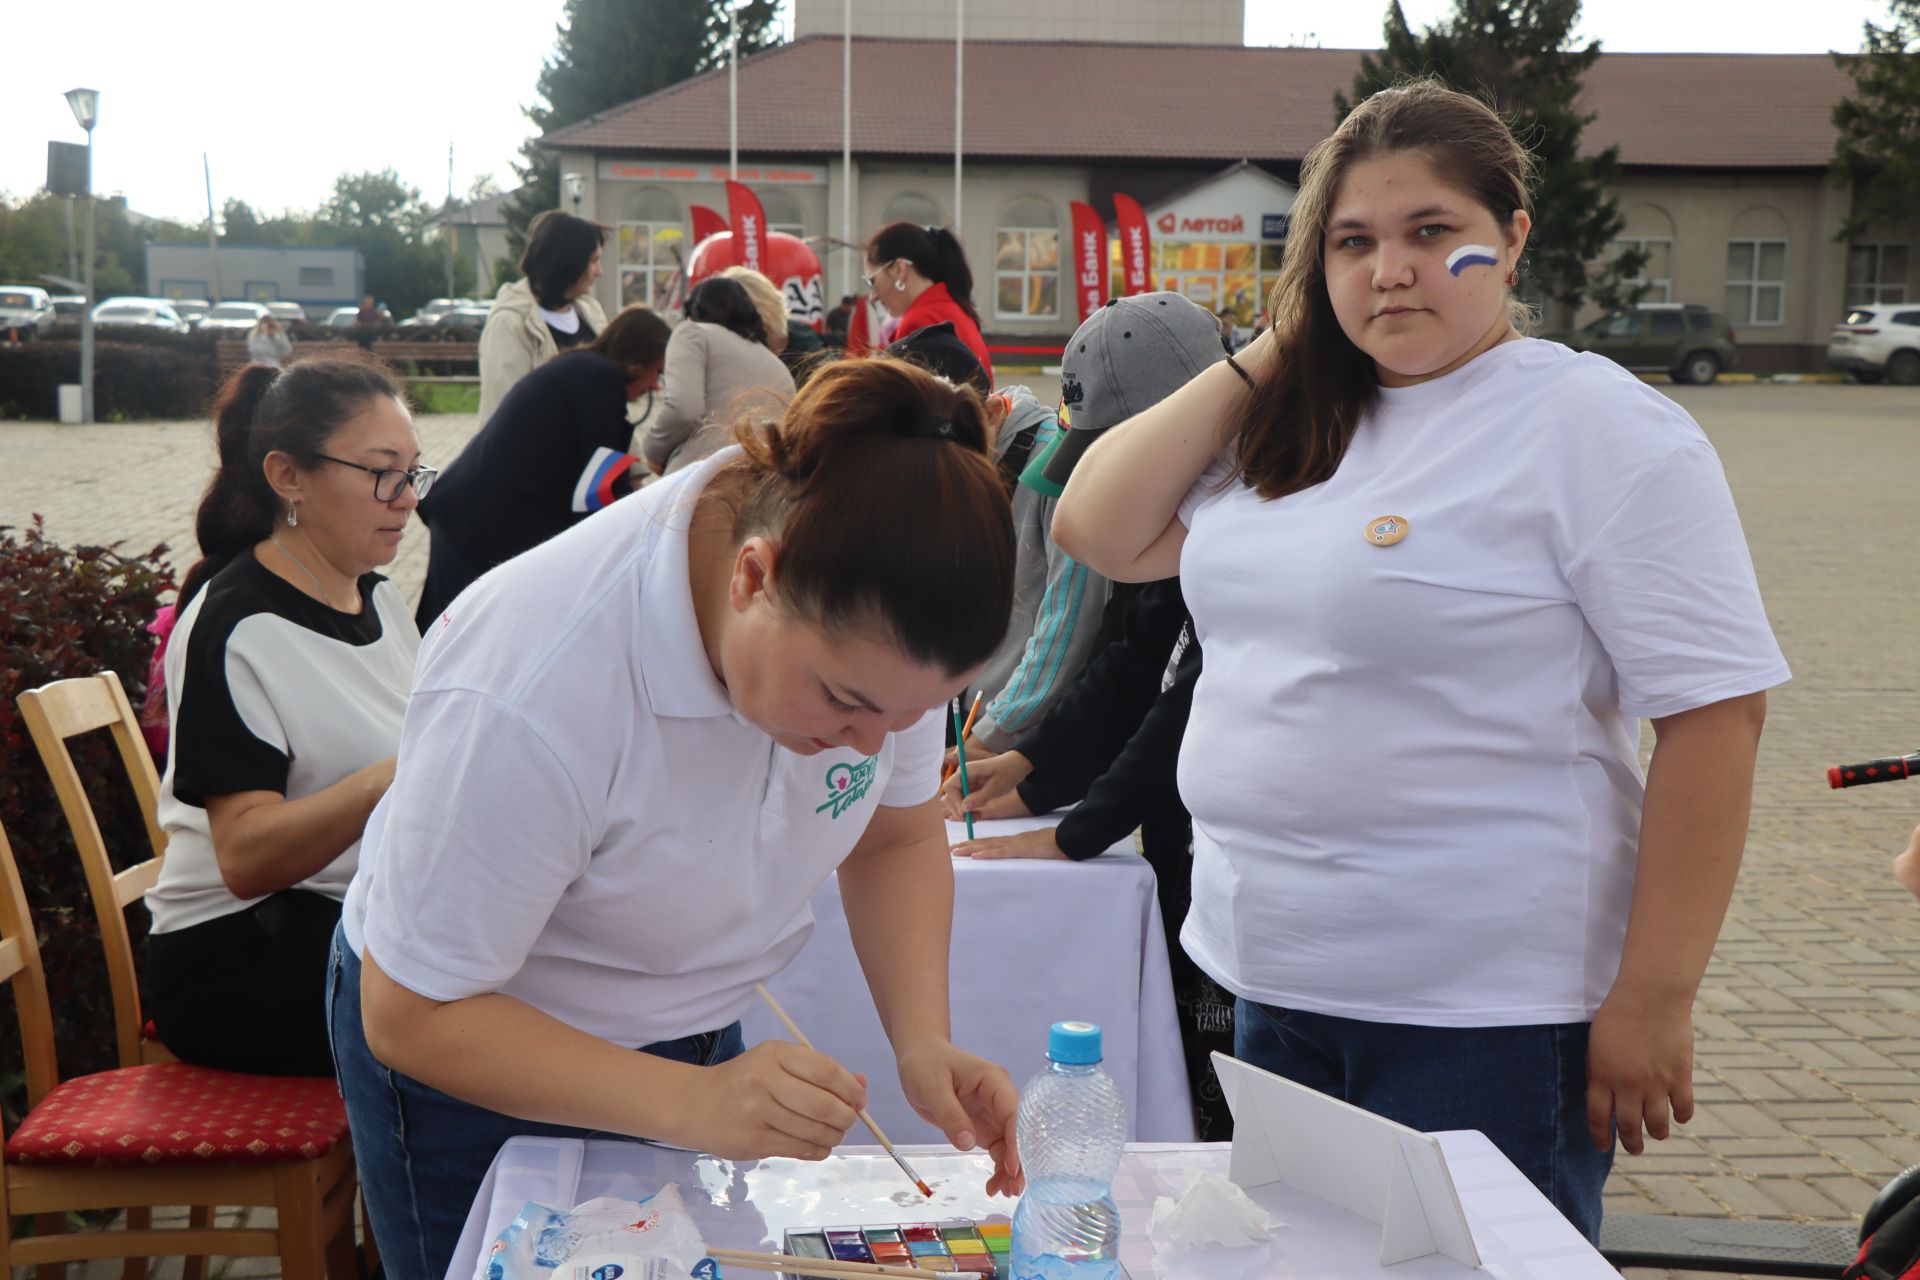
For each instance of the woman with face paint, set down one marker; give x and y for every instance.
(1441, 571)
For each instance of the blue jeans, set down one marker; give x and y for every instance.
(423, 1154)
(1524, 1087)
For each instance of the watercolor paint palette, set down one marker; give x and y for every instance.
(969, 1250)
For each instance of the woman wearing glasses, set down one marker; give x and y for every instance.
(287, 676)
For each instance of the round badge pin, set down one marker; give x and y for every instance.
(1384, 531)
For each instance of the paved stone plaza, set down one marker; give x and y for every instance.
(1809, 1021)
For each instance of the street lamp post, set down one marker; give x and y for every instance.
(576, 184)
(86, 109)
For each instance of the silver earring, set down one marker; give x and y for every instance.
(293, 515)
(900, 285)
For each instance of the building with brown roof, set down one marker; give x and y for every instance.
(1723, 157)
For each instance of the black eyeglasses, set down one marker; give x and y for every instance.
(390, 482)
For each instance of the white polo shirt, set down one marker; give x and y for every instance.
(580, 820)
(1412, 764)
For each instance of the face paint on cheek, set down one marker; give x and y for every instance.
(1472, 255)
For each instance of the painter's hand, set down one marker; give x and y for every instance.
(1639, 1068)
(990, 788)
(1023, 844)
(1906, 865)
(776, 1099)
(969, 1099)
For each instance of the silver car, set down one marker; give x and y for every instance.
(22, 306)
(233, 319)
(138, 313)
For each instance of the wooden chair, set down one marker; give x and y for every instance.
(156, 1131)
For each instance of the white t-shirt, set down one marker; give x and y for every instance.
(1413, 767)
(581, 820)
(270, 690)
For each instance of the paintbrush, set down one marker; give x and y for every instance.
(795, 1265)
(885, 1143)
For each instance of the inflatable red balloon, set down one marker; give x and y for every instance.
(790, 264)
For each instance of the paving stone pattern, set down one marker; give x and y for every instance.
(1808, 1024)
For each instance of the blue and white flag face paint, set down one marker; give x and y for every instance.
(1472, 255)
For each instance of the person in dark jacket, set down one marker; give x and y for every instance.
(556, 450)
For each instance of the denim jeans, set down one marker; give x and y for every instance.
(423, 1154)
(1524, 1087)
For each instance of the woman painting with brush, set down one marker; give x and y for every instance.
(632, 756)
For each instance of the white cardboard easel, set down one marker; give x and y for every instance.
(1369, 1166)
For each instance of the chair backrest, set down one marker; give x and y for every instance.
(65, 709)
(20, 965)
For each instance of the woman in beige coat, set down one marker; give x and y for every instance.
(549, 311)
(719, 368)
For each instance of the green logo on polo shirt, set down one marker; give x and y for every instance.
(847, 783)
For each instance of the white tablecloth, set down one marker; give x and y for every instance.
(1033, 943)
(751, 1205)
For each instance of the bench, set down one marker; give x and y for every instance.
(446, 362)
(1812, 1251)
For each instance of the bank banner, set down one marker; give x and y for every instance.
(749, 226)
(706, 222)
(1136, 244)
(1089, 259)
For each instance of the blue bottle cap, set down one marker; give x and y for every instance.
(1074, 1043)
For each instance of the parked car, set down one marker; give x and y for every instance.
(288, 313)
(1689, 343)
(233, 319)
(342, 319)
(62, 319)
(138, 313)
(464, 322)
(21, 307)
(1880, 341)
(430, 313)
(192, 310)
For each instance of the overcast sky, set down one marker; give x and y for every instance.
(284, 97)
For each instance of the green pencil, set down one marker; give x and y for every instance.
(959, 737)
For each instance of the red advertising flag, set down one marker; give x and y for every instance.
(1136, 244)
(749, 226)
(706, 222)
(1089, 259)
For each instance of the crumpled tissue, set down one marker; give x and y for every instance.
(1211, 1210)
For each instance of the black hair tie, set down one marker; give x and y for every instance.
(929, 427)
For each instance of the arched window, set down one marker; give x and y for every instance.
(1026, 260)
(783, 211)
(1649, 230)
(652, 239)
(910, 206)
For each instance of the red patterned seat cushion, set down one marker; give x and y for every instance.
(174, 1113)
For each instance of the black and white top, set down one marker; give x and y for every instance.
(271, 690)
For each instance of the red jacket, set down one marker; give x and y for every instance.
(935, 305)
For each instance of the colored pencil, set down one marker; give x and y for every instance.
(962, 741)
(964, 731)
(793, 1263)
(886, 1143)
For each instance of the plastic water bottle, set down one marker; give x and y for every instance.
(1072, 1132)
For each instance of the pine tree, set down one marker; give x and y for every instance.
(1878, 148)
(609, 52)
(1517, 56)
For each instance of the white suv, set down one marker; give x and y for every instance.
(1882, 340)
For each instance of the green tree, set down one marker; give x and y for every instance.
(1518, 56)
(609, 52)
(386, 220)
(1877, 151)
(33, 240)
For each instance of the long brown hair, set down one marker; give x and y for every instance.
(878, 486)
(1298, 422)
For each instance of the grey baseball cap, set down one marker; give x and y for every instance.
(1129, 355)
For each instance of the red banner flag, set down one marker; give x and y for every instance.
(749, 226)
(1089, 259)
(706, 222)
(1136, 244)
